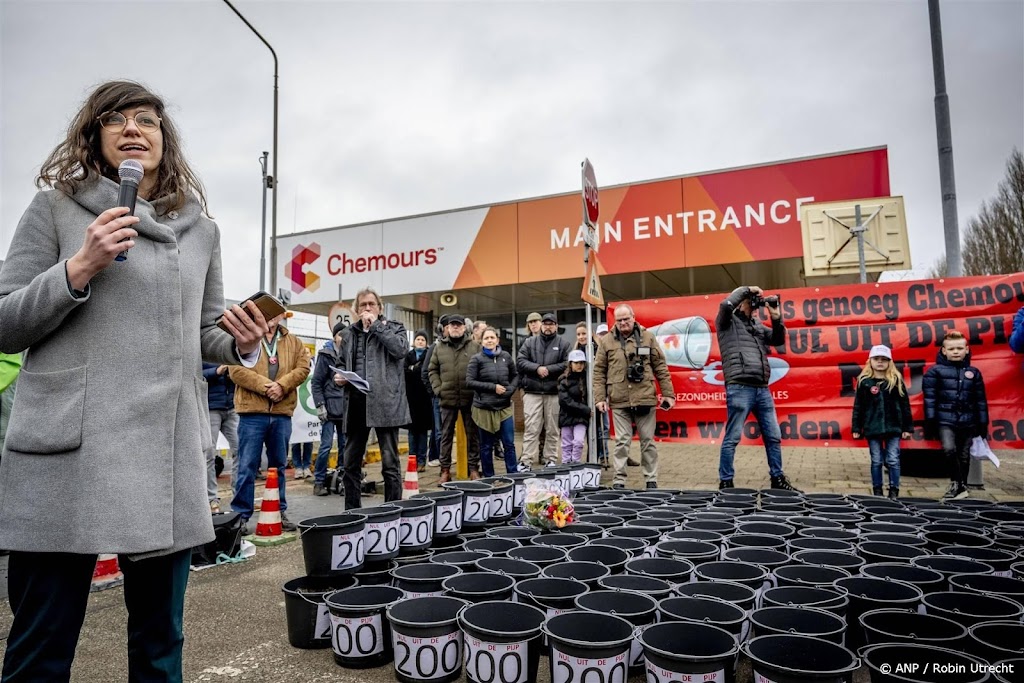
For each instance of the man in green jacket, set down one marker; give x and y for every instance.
(447, 371)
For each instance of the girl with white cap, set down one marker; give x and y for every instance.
(881, 414)
(573, 407)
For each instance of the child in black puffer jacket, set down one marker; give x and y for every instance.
(573, 407)
(955, 407)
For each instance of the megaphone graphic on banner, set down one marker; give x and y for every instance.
(686, 342)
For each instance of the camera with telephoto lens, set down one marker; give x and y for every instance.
(635, 371)
(757, 301)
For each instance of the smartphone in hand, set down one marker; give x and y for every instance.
(270, 306)
(664, 405)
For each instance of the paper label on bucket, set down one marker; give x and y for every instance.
(416, 531)
(426, 659)
(357, 636)
(322, 630)
(347, 550)
(496, 662)
(433, 594)
(518, 495)
(568, 669)
(655, 674)
(636, 649)
(478, 508)
(449, 518)
(382, 537)
(501, 504)
(758, 678)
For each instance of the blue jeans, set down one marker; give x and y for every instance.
(507, 434)
(740, 401)
(255, 431)
(891, 446)
(327, 431)
(435, 433)
(302, 454)
(418, 446)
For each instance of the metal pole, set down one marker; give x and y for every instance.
(263, 232)
(944, 137)
(859, 229)
(592, 432)
(272, 180)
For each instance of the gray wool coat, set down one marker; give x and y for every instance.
(386, 346)
(105, 447)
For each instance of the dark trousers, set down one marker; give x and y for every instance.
(355, 449)
(956, 444)
(448, 418)
(49, 593)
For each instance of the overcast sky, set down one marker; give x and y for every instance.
(389, 109)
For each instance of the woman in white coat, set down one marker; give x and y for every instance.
(105, 446)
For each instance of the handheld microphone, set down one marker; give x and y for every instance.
(130, 171)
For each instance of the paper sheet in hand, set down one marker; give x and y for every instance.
(353, 379)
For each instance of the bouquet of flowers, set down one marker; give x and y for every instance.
(547, 505)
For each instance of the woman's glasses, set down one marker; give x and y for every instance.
(115, 121)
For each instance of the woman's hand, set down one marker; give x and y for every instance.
(102, 243)
(247, 326)
(499, 390)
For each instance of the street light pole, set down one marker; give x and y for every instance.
(270, 181)
(263, 231)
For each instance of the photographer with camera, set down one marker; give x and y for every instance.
(743, 343)
(626, 364)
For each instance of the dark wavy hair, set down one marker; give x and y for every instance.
(79, 156)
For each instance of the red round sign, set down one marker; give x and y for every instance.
(591, 207)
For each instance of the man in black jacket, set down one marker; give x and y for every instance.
(223, 420)
(330, 400)
(743, 343)
(542, 358)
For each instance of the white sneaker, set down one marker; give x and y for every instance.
(306, 473)
(523, 467)
(434, 463)
(298, 473)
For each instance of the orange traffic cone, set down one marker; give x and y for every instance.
(107, 573)
(268, 525)
(411, 485)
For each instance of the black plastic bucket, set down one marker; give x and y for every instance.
(376, 573)
(333, 545)
(625, 514)
(673, 570)
(554, 596)
(584, 642)
(908, 539)
(718, 526)
(783, 508)
(829, 532)
(606, 496)
(801, 621)
(742, 540)
(416, 525)
(688, 651)
(502, 498)
(476, 508)
(949, 565)
(645, 534)
(910, 626)
(413, 558)
(829, 558)
(801, 543)
(941, 539)
(631, 504)
(999, 559)
(663, 526)
(585, 529)
(812, 522)
(634, 547)
(808, 575)
(705, 610)
(744, 573)
(603, 521)
(769, 559)
(539, 555)
(427, 639)
(523, 534)
(450, 544)
(1008, 670)
(660, 513)
(502, 641)
(585, 572)
(799, 659)
(634, 583)
(613, 558)
(888, 528)
(972, 608)
(517, 569)
(381, 534)
(479, 586)
(463, 559)
(360, 633)
(874, 552)
(867, 594)
(742, 596)
(493, 546)
(447, 511)
(928, 580)
(694, 552)
(796, 596)
(309, 620)
(766, 528)
(560, 539)
(639, 610)
(1002, 586)
(423, 580)
(913, 663)
(696, 535)
(995, 641)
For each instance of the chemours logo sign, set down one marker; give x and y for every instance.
(345, 264)
(303, 279)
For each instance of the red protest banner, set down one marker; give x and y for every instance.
(829, 331)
